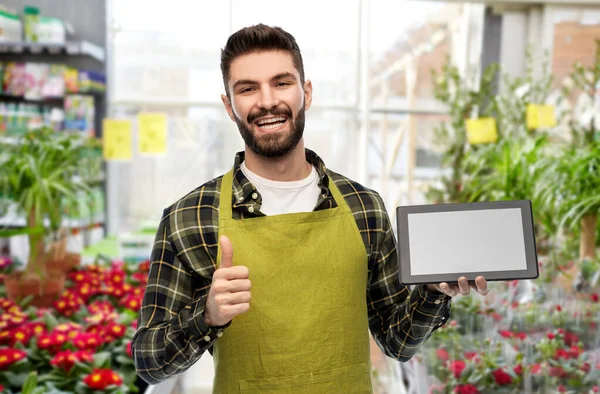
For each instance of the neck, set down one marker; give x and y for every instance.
(289, 168)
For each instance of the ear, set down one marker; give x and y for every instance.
(307, 94)
(228, 107)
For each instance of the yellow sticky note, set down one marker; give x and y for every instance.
(152, 133)
(116, 140)
(540, 116)
(482, 131)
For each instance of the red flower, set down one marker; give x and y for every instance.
(586, 367)
(87, 341)
(64, 360)
(562, 389)
(571, 339)
(1, 388)
(536, 368)
(550, 336)
(506, 334)
(521, 336)
(501, 377)
(100, 379)
(20, 335)
(595, 389)
(145, 266)
(128, 349)
(457, 367)
(559, 308)
(132, 302)
(442, 354)
(114, 331)
(558, 372)
(9, 356)
(474, 356)
(466, 389)
(561, 353)
(518, 369)
(574, 351)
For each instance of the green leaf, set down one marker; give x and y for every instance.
(101, 360)
(50, 321)
(30, 383)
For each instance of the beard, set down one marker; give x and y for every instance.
(272, 145)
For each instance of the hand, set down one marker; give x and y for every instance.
(463, 287)
(229, 293)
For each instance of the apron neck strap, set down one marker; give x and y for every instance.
(225, 208)
(226, 196)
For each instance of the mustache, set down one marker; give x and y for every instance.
(265, 112)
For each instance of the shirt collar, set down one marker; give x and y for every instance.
(243, 188)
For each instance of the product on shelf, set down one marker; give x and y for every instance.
(11, 28)
(71, 76)
(90, 81)
(79, 114)
(14, 79)
(18, 118)
(54, 86)
(31, 18)
(51, 31)
(36, 75)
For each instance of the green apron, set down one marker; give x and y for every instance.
(307, 328)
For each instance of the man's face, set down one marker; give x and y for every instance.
(267, 102)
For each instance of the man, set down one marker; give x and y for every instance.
(281, 267)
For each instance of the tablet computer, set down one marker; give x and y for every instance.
(442, 242)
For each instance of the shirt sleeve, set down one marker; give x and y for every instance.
(400, 319)
(172, 334)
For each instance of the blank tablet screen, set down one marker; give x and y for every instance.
(466, 241)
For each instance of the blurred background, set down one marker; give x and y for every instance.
(423, 101)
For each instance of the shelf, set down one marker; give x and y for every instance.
(19, 221)
(72, 48)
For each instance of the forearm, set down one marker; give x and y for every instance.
(165, 349)
(401, 329)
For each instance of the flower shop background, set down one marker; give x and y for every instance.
(68, 326)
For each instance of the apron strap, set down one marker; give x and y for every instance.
(226, 196)
(337, 195)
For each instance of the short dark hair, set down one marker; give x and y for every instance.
(259, 38)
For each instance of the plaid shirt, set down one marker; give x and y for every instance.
(172, 334)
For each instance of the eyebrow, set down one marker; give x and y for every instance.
(275, 78)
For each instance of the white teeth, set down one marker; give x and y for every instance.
(270, 126)
(271, 120)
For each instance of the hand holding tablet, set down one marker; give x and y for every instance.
(440, 243)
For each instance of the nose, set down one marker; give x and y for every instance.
(268, 99)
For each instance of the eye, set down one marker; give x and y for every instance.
(245, 90)
(282, 84)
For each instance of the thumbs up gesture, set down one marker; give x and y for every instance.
(229, 293)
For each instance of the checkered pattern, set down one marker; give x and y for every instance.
(172, 334)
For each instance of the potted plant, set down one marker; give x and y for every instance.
(465, 100)
(37, 177)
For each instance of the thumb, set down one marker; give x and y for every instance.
(226, 252)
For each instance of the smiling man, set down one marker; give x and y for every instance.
(281, 267)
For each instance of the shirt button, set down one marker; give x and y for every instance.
(251, 209)
(254, 196)
(437, 302)
(207, 338)
(241, 199)
(219, 334)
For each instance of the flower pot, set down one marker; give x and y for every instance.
(45, 289)
(65, 264)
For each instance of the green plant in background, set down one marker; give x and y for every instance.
(464, 101)
(38, 178)
(572, 180)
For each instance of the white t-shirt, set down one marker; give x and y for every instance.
(286, 197)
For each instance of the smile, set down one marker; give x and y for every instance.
(271, 124)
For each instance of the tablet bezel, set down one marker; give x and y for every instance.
(402, 212)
